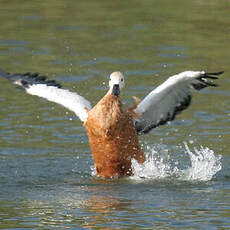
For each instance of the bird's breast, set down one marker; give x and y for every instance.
(105, 116)
(113, 139)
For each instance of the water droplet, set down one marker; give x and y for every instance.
(160, 164)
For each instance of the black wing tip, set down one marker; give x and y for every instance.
(27, 79)
(203, 82)
(214, 73)
(35, 78)
(4, 74)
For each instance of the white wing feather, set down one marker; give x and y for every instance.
(174, 95)
(35, 84)
(72, 101)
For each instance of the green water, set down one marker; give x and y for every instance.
(46, 180)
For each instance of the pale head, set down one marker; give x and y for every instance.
(116, 81)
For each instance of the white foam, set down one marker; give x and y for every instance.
(192, 165)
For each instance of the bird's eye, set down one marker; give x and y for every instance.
(122, 79)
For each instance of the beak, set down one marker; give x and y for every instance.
(116, 90)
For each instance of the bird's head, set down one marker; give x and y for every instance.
(116, 83)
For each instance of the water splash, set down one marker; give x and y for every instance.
(191, 165)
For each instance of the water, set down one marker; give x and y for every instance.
(46, 175)
(160, 164)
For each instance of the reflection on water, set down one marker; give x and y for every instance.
(102, 206)
(45, 161)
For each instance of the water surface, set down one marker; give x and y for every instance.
(46, 174)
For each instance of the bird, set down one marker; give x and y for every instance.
(112, 129)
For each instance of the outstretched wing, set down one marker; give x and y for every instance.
(170, 98)
(50, 90)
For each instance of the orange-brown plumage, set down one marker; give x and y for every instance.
(113, 138)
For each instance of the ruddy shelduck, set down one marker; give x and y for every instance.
(112, 129)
